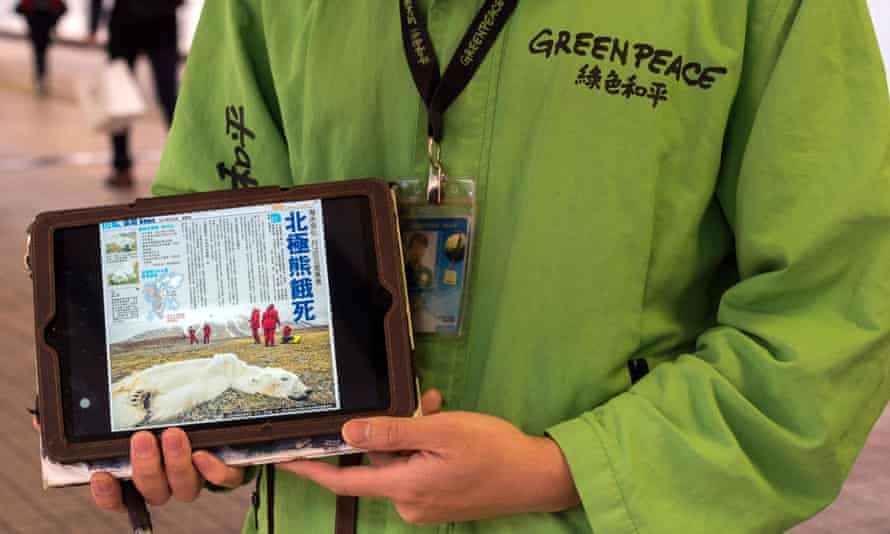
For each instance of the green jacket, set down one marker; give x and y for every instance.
(734, 234)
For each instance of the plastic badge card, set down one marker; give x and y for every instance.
(436, 241)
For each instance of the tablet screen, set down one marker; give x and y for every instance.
(220, 317)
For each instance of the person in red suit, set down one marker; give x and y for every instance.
(270, 323)
(287, 335)
(206, 333)
(193, 335)
(255, 324)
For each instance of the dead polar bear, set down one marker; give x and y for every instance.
(169, 389)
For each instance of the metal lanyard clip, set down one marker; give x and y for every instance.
(437, 177)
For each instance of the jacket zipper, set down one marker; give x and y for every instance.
(270, 499)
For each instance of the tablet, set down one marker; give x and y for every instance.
(239, 316)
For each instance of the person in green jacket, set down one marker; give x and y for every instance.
(679, 303)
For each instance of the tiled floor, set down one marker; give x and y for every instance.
(33, 129)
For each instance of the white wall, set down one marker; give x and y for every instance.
(880, 11)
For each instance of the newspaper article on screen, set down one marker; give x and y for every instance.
(218, 315)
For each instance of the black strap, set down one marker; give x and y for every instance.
(140, 518)
(347, 506)
(439, 92)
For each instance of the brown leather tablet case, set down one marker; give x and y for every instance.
(399, 341)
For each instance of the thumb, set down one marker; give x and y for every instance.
(431, 402)
(398, 433)
(216, 472)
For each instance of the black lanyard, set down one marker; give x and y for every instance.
(440, 91)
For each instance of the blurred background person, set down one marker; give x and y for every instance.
(42, 16)
(140, 27)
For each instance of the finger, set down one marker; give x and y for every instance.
(35, 423)
(358, 481)
(381, 459)
(106, 492)
(431, 433)
(431, 402)
(148, 475)
(216, 472)
(183, 479)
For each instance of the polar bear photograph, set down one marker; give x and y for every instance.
(165, 392)
(158, 375)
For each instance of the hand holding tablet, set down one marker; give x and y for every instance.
(241, 317)
(167, 473)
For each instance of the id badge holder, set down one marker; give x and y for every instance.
(437, 218)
